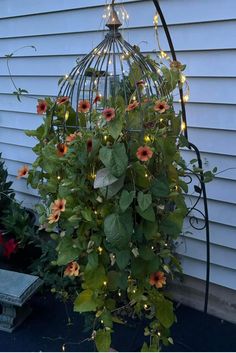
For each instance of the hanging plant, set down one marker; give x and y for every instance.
(111, 180)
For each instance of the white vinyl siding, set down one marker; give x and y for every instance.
(204, 35)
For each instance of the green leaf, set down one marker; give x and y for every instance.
(118, 229)
(115, 159)
(111, 190)
(103, 340)
(173, 223)
(144, 201)
(165, 312)
(115, 127)
(66, 251)
(148, 214)
(87, 214)
(126, 199)
(160, 187)
(122, 259)
(140, 175)
(104, 178)
(94, 279)
(85, 302)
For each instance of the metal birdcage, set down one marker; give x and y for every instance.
(113, 69)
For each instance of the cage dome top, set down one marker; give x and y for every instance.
(113, 69)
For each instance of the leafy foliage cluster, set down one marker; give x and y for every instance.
(15, 221)
(121, 213)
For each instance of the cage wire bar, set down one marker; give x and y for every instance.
(104, 70)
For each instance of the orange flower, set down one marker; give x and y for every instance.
(72, 269)
(58, 206)
(62, 100)
(176, 65)
(89, 145)
(109, 114)
(61, 149)
(144, 153)
(97, 99)
(157, 279)
(132, 106)
(161, 107)
(54, 218)
(42, 107)
(72, 137)
(84, 106)
(23, 171)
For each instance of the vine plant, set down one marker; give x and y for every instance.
(113, 201)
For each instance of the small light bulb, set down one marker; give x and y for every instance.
(146, 175)
(182, 78)
(159, 334)
(119, 293)
(145, 306)
(104, 283)
(95, 212)
(183, 126)
(63, 348)
(102, 321)
(105, 138)
(67, 115)
(152, 248)
(100, 250)
(59, 178)
(186, 98)
(134, 290)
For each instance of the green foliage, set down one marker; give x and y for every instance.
(6, 192)
(121, 211)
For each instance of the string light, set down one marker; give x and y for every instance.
(95, 212)
(159, 334)
(119, 293)
(186, 98)
(105, 138)
(100, 250)
(145, 306)
(183, 126)
(104, 283)
(63, 348)
(67, 115)
(147, 139)
(146, 175)
(59, 178)
(182, 78)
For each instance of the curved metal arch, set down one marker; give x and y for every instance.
(194, 148)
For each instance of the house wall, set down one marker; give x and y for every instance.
(204, 34)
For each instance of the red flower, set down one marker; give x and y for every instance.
(84, 106)
(132, 106)
(62, 100)
(42, 107)
(144, 153)
(97, 99)
(61, 149)
(157, 279)
(89, 145)
(109, 114)
(9, 248)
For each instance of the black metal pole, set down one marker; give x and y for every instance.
(194, 148)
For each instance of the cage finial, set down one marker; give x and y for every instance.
(113, 22)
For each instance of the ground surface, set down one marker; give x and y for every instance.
(47, 330)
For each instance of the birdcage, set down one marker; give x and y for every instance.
(114, 70)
